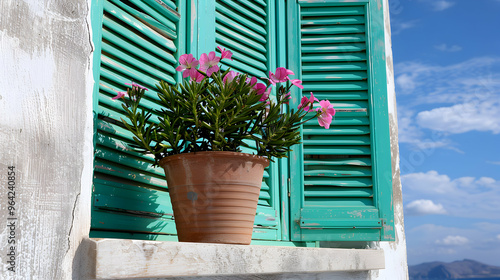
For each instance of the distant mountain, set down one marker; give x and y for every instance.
(466, 269)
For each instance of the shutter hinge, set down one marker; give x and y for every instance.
(289, 187)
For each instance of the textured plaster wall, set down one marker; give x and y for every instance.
(395, 252)
(46, 133)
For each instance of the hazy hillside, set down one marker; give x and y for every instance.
(455, 270)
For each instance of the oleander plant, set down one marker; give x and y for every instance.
(216, 110)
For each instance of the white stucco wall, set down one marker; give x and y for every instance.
(395, 252)
(46, 133)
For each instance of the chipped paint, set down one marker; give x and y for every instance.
(395, 252)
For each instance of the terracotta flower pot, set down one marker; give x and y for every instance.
(214, 195)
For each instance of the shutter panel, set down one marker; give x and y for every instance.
(339, 191)
(140, 44)
(244, 28)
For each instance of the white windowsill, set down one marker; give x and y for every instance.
(126, 259)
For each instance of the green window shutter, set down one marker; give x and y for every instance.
(244, 28)
(140, 43)
(341, 177)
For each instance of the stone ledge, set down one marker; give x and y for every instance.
(126, 259)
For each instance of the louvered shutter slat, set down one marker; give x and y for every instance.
(336, 20)
(352, 29)
(166, 8)
(118, 68)
(148, 20)
(334, 66)
(116, 35)
(233, 43)
(338, 192)
(159, 16)
(223, 19)
(137, 63)
(337, 170)
(338, 140)
(333, 58)
(251, 5)
(242, 39)
(332, 11)
(242, 9)
(127, 160)
(130, 174)
(164, 62)
(326, 77)
(136, 25)
(113, 143)
(244, 60)
(352, 95)
(323, 39)
(241, 18)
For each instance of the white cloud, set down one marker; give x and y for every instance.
(487, 182)
(453, 240)
(398, 26)
(469, 80)
(406, 82)
(487, 226)
(465, 196)
(430, 182)
(460, 118)
(424, 207)
(407, 130)
(450, 99)
(494, 162)
(410, 132)
(446, 48)
(441, 5)
(498, 236)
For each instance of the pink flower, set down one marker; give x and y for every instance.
(135, 86)
(327, 113)
(225, 53)
(188, 65)
(265, 95)
(251, 81)
(229, 77)
(297, 82)
(287, 97)
(260, 88)
(307, 104)
(280, 76)
(119, 94)
(197, 77)
(208, 63)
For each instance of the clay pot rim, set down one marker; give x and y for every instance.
(209, 154)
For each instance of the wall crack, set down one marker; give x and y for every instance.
(72, 222)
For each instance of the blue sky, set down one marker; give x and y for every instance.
(447, 74)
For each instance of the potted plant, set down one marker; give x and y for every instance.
(202, 125)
